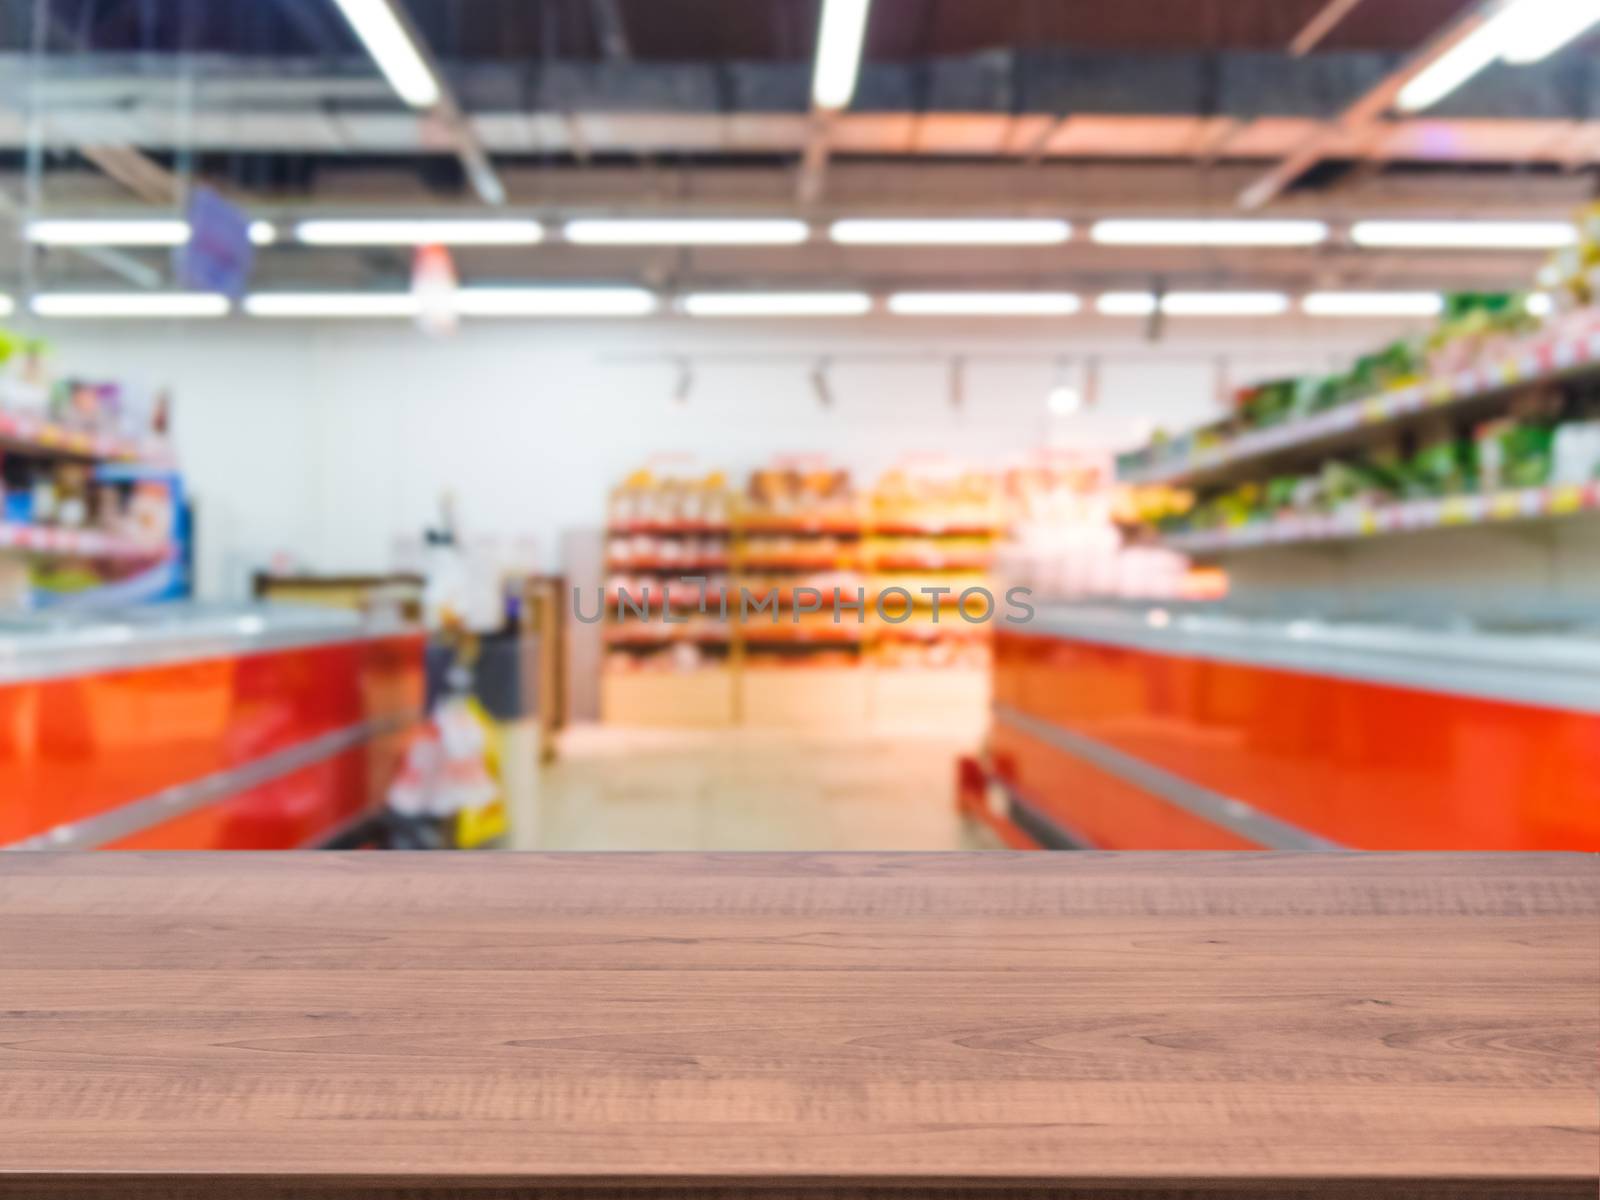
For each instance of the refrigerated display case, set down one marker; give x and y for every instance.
(190, 727)
(1142, 727)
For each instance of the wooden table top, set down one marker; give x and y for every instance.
(321, 1024)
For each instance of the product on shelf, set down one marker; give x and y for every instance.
(668, 551)
(1473, 328)
(818, 498)
(1423, 436)
(1545, 439)
(1068, 533)
(647, 501)
(939, 498)
(88, 501)
(800, 552)
(1571, 276)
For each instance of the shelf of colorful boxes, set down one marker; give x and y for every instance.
(1529, 452)
(57, 439)
(798, 551)
(931, 535)
(660, 530)
(1065, 536)
(1491, 416)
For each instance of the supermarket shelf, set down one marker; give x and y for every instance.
(637, 602)
(617, 639)
(1536, 361)
(798, 564)
(844, 636)
(34, 435)
(943, 632)
(1380, 520)
(934, 529)
(907, 563)
(76, 543)
(761, 528)
(671, 528)
(785, 598)
(919, 600)
(667, 566)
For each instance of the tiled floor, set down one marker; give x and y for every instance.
(748, 790)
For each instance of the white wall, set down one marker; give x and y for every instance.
(327, 442)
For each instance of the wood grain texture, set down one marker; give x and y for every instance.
(505, 1025)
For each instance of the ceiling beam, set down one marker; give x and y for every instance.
(1077, 190)
(1320, 26)
(136, 171)
(1042, 85)
(1359, 117)
(813, 174)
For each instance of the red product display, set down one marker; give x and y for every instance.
(265, 750)
(1350, 763)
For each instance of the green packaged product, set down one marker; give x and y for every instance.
(1280, 493)
(1514, 454)
(1443, 468)
(1266, 403)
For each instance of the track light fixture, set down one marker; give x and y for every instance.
(821, 384)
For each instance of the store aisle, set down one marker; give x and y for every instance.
(626, 789)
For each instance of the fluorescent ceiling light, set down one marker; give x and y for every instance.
(984, 304)
(389, 42)
(1372, 304)
(671, 232)
(777, 304)
(1519, 31)
(332, 304)
(1125, 304)
(1541, 27)
(1224, 304)
(130, 304)
(263, 233)
(135, 232)
(1207, 232)
(1452, 68)
(7, 306)
(422, 232)
(957, 232)
(1194, 304)
(839, 41)
(554, 302)
(1464, 235)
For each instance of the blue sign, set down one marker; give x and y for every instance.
(219, 254)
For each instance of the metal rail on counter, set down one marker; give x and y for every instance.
(1546, 668)
(52, 645)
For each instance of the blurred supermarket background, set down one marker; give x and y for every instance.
(799, 424)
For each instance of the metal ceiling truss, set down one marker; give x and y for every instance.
(1041, 104)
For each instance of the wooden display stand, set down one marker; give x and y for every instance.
(821, 698)
(703, 699)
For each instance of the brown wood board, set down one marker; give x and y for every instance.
(1067, 1024)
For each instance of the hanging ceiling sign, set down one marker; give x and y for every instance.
(219, 256)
